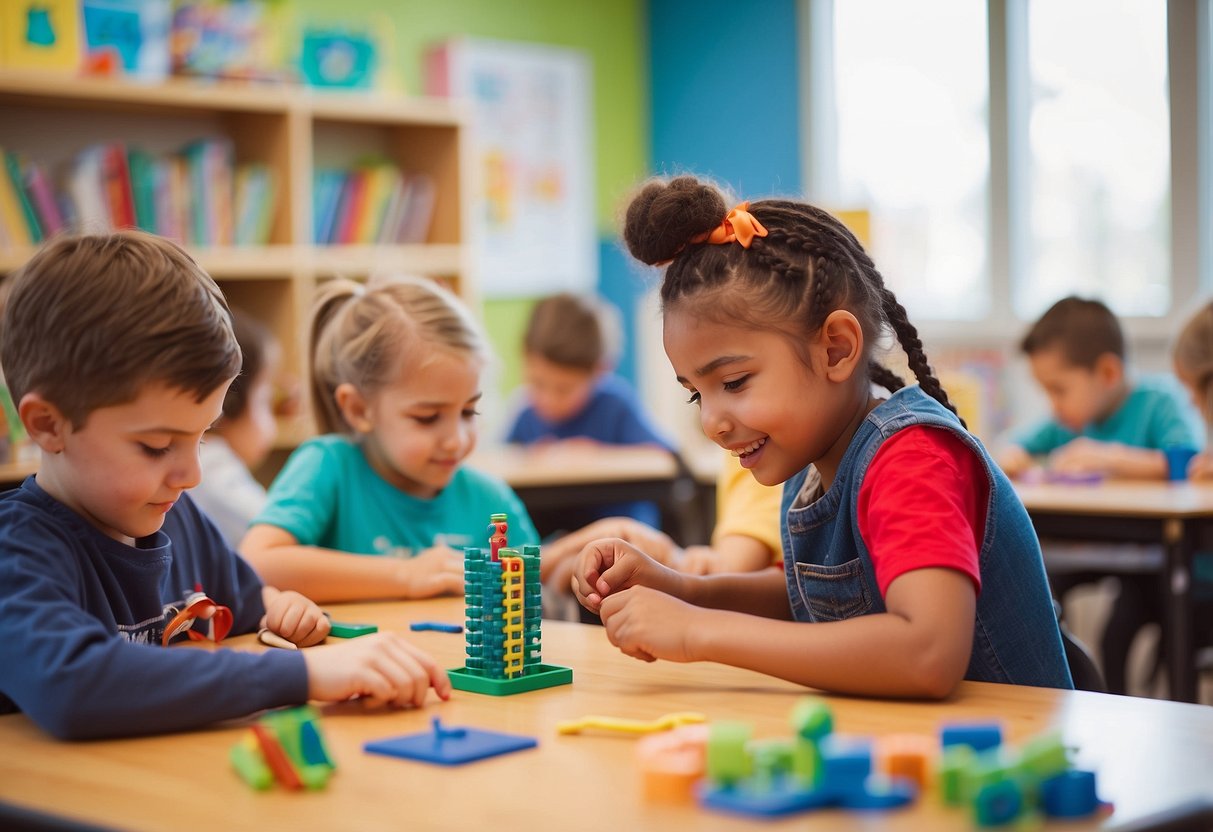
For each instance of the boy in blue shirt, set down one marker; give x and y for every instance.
(1101, 425)
(119, 350)
(570, 348)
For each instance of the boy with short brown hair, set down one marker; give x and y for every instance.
(118, 350)
(1102, 423)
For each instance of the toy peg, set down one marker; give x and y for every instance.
(629, 726)
(250, 765)
(276, 758)
(272, 639)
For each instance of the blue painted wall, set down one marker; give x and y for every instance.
(725, 103)
(725, 93)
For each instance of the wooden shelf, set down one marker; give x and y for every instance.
(50, 117)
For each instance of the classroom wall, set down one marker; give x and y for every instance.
(610, 33)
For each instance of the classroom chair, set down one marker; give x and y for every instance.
(1083, 669)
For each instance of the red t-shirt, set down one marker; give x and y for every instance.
(922, 504)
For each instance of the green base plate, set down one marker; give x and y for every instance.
(541, 676)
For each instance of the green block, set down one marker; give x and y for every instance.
(953, 767)
(536, 678)
(811, 718)
(1044, 756)
(728, 761)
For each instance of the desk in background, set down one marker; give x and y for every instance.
(1149, 754)
(564, 476)
(1177, 515)
(12, 474)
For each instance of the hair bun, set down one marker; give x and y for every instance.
(664, 216)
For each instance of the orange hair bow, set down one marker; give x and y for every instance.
(738, 225)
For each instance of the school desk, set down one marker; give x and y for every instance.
(12, 474)
(1177, 515)
(563, 476)
(1149, 754)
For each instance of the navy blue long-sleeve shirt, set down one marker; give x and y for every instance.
(82, 615)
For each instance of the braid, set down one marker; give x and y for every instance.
(885, 377)
(907, 336)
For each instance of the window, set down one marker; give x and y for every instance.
(1099, 156)
(1015, 151)
(913, 148)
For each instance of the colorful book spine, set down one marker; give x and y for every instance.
(42, 195)
(17, 182)
(11, 216)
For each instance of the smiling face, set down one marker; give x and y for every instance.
(417, 430)
(756, 396)
(126, 467)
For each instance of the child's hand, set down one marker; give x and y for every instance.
(382, 667)
(294, 617)
(1201, 466)
(561, 554)
(435, 571)
(695, 560)
(649, 625)
(612, 565)
(1084, 456)
(1013, 460)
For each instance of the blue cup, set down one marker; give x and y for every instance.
(1178, 457)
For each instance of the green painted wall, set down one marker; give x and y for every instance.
(610, 32)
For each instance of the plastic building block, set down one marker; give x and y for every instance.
(1043, 756)
(727, 760)
(275, 758)
(879, 794)
(952, 773)
(246, 758)
(628, 726)
(977, 735)
(846, 764)
(671, 762)
(998, 803)
(1070, 794)
(450, 746)
(811, 719)
(782, 799)
(342, 629)
(435, 626)
(906, 757)
(503, 603)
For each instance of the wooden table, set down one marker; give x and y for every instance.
(1149, 754)
(1177, 515)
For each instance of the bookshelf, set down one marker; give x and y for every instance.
(293, 131)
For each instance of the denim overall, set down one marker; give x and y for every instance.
(829, 570)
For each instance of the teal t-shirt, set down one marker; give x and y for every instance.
(1151, 417)
(328, 495)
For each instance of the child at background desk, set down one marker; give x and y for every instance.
(909, 561)
(119, 350)
(242, 438)
(395, 372)
(1102, 424)
(1141, 597)
(569, 351)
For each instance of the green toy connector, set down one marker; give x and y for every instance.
(284, 746)
(504, 613)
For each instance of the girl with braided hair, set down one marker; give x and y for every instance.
(904, 544)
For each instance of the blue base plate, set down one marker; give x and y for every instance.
(450, 746)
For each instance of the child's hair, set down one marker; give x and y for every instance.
(361, 335)
(574, 331)
(255, 343)
(807, 266)
(92, 319)
(1083, 329)
(1193, 353)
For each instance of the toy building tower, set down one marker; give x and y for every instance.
(504, 614)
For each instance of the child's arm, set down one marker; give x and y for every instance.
(382, 667)
(1014, 460)
(731, 553)
(329, 576)
(294, 617)
(919, 648)
(1085, 456)
(564, 550)
(1201, 466)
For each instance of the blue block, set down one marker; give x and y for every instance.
(998, 803)
(436, 626)
(977, 735)
(1070, 794)
(846, 763)
(450, 746)
(879, 794)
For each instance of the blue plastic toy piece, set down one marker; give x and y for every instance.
(450, 746)
(783, 798)
(1070, 794)
(846, 763)
(879, 794)
(998, 803)
(977, 735)
(436, 626)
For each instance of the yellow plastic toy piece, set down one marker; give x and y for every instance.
(629, 726)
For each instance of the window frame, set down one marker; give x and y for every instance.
(1190, 78)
